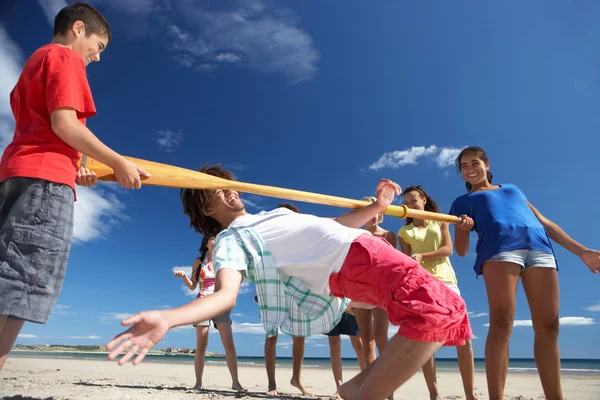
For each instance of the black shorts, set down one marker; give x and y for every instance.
(346, 326)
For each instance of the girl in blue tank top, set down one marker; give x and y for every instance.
(513, 241)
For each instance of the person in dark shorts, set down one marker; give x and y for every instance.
(346, 326)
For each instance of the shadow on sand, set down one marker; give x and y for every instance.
(219, 392)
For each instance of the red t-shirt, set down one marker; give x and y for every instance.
(53, 77)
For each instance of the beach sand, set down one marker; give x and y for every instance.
(46, 378)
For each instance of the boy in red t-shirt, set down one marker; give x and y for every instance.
(38, 170)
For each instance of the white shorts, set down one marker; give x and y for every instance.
(454, 287)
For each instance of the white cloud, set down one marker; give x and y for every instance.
(95, 210)
(26, 336)
(577, 321)
(253, 201)
(10, 69)
(114, 316)
(246, 287)
(564, 321)
(443, 156)
(227, 57)
(471, 315)
(255, 34)
(237, 315)
(61, 309)
(51, 8)
(594, 308)
(168, 139)
(246, 327)
(184, 288)
(447, 157)
(89, 337)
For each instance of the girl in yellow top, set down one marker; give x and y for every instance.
(430, 244)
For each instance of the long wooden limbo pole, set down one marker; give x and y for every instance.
(175, 177)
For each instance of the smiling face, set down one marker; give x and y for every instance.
(88, 47)
(474, 169)
(225, 203)
(414, 200)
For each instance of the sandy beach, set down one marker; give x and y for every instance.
(46, 378)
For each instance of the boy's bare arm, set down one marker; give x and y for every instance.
(67, 127)
(227, 286)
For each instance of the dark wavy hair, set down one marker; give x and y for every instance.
(196, 202)
(203, 252)
(430, 204)
(479, 153)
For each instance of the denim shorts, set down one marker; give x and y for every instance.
(36, 227)
(526, 259)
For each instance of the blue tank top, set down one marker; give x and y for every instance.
(503, 222)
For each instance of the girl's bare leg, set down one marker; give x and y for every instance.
(431, 378)
(466, 365)
(364, 320)
(501, 280)
(381, 325)
(541, 288)
(335, 356)
(230, 355)
(357, 345)
(201, 344)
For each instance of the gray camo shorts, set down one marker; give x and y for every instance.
(36, 227)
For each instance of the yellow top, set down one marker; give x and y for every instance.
(425, 239)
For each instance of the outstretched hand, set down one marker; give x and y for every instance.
(591, 258)
(179, 274)
(148, 329)
(385, 192)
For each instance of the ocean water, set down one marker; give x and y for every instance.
(518, 365)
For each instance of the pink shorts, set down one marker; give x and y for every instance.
(423, 306)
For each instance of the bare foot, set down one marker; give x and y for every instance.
(272, 393)
(238, 387)
(197, 386)
(295, 382)
(434, 397)
(472, 397)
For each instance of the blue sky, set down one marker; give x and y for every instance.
(329, 99)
